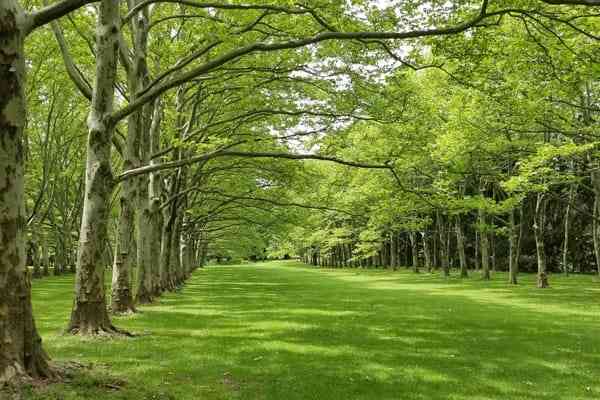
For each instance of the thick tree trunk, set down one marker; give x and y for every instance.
(21, 353)
(460, 247)
(538, 229)
(137, 80)
(121, 296)
(89, 314)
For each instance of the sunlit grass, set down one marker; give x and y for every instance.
(284, 331)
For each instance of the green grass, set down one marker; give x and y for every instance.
(283, 331)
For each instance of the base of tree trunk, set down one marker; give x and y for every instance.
(542, 281)
(122, 302)
(464, 273)
(144, 298)
(512, 280)
(486, 276)
(91, 319)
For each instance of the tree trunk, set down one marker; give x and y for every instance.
(426, 250)
(595, 229)
(538, 229)
(394, 250)
(89, 314)
(121, 296)
(476, 250)
(21, 352)
(444, 245)
(137, 78)
(37, 273)
(460, 247)
(513, 242)
(414, 249)
(567, 228)
(44, 258)
(154, 194)
(485, 246)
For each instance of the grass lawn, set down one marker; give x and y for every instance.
(283, 331)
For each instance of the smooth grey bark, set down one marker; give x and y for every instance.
(21, 352)
(154, 197)
(89, 314)
(138, 80)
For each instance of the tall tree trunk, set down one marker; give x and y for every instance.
(35, 258)
(567, 228)
(513, 249)
(485, 245)
(426, 250)
(89, 314)
(138, 78)
(538, 229)
(394, 250)
(460, 247)
(165, 252)
(154, 194)
(476, 251)
(414, 248)
(444, 245)
(596, 214)
(21, 352)
(45, 259)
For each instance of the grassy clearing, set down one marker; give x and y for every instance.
(283, 331)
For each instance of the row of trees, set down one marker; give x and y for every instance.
(493, 160)
(198, 100)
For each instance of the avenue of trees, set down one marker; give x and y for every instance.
(139, 138)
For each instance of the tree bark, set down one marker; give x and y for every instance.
(485, 246)
(154, 195)
(89, 315)
(538, 229)
(426, 250)
(444, 245)
(21, 352)
(513, 244)
(567, 228)
(460, 246)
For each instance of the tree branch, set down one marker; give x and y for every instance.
(225, 153)
(293, 44)
(55, 11)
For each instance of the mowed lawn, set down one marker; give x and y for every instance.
(280, 330)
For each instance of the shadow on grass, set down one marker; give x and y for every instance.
(281, 331)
